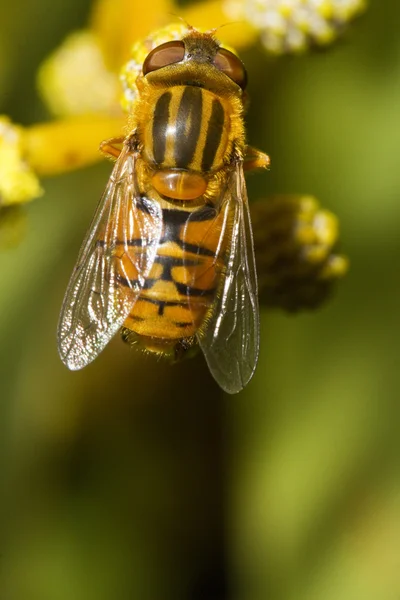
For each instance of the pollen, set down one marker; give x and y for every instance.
(290, 26)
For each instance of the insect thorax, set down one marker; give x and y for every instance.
(189, 127)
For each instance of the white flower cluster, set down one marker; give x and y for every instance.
(288, 26)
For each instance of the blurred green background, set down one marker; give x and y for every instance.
(133, 479)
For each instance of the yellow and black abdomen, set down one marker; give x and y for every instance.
(188, 129)
(183, 282)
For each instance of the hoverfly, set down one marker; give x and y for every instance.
(169, 256)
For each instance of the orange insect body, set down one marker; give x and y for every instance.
(169, 256)
(164, 310)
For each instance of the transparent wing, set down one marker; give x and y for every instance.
(230, 336)
(112, 266)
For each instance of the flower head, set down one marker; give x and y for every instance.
(295, 243)
(294, 25)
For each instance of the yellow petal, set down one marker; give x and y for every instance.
(69, 144)
(74, 79)
(119, 23)
(213, 14)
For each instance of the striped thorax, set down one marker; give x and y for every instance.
(189, 130)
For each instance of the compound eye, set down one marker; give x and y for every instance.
(164, 55)
(232, 66)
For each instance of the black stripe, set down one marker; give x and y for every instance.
(164, 302)
(182, 288)
(175, 261)
(169, 262)
(135, 283)
(160, 124)
(200, 250)
(132, 283)
(188, 124)
(137, 318)
(133, 242)
(187, 290)
(174, 220)
(214, 133)
(206, 213)
(179, 217)
(175, 217)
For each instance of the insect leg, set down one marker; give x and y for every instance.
(108, 147)
(255, 159)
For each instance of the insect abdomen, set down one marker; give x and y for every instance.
(183, 281)
(168, 308)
